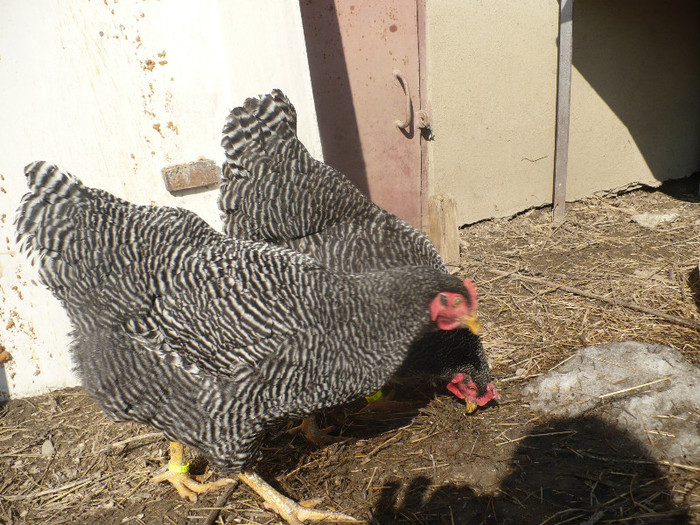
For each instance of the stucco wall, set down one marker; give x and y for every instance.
(635, 111)
(635, 102)
(492, 86)
(78, 89)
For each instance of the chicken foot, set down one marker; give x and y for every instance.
(313, 434)
(291, 511)
(178, 474)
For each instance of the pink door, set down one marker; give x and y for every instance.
(355, 51)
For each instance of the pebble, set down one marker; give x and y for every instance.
(47, 449)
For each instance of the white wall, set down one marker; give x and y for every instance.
(76, 89)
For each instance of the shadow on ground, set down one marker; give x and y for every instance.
(694, 283)
(572, 471)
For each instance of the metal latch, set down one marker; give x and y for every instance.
(426, 130)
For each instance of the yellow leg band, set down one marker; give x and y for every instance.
(179, 468)
(374, 397)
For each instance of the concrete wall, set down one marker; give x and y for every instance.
(492, 66)
(492, 86)
(635, 103)
(113, 92)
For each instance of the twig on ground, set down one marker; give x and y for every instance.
(376, 449)
(123, 442)
(220, 502)
(578, 291)
(603, 396)
(66, 487)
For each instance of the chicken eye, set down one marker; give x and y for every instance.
(443, 299)
(457, 301)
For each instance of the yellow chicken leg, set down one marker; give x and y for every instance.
(291, 511)
(178, 474)
(378, 402)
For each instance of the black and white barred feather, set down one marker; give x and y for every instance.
(209, 338)
(274, 191)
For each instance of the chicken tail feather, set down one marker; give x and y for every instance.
(262, 125)
(42, 228)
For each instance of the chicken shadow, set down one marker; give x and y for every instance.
(694, 283)
(349, 422)
(579, 470)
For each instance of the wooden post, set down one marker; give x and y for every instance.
(442, 227)
(423, 109)
(561, 147)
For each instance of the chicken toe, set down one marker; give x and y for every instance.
(178, 474)
(187, 486)
(291, 511)
(313, 434)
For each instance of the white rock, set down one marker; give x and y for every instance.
(652, 220)
(603, 381)
(47, 448)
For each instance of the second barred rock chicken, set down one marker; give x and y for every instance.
(211, 339)
(274, 191)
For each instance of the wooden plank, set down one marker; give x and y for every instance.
(442, 227)
(561, 147)
(423, 108)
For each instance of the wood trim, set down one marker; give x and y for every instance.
(561, 145)
(423, 105)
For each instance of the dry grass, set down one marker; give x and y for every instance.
(598, 250)
(434, 463)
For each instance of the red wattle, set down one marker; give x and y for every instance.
(456, 391)
(491, 393)
(463, 389)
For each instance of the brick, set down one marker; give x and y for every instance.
(197, 174)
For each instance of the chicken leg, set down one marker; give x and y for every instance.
(178, 474)
(378, 402)
(291, 511)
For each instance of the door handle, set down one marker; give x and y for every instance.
(408, 115)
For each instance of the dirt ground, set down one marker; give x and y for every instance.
(62, 461)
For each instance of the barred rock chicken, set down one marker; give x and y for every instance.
(211, 339)
(274, 191)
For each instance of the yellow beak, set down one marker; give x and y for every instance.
(470, 406)
(471, 322)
